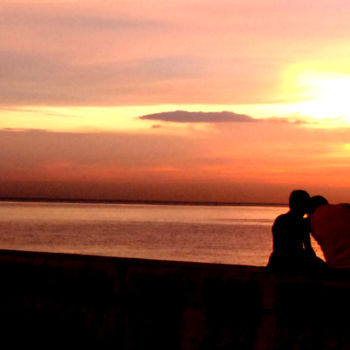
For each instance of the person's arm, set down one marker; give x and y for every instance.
(307, 240)
(307, 245)
(276, 234)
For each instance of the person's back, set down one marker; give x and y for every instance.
(288, 232)
(291, 236)
(330, 226)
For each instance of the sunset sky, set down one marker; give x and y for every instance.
(195, 100)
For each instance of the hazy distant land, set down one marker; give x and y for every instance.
(124, 201)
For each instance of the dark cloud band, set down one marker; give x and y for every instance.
(198, 117)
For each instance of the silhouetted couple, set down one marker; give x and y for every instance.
(292, 250)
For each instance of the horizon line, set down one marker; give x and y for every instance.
(135, 201)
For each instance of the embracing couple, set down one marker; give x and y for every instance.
(329, 224)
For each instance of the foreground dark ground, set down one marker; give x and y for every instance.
(55, 300)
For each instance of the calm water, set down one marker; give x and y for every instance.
(220, 234)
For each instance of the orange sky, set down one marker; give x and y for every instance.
(89, 92)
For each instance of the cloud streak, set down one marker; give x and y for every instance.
(181, 116)
(29, 78)
(198, 117)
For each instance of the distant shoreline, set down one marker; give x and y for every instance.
(123, 201)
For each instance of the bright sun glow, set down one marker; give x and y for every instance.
(325, 94)
(319, 95)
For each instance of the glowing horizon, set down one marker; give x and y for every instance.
(78, 76)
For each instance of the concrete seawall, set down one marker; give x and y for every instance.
(54, 300)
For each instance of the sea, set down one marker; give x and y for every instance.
(228, 234)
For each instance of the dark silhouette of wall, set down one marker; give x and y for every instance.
(54, 300)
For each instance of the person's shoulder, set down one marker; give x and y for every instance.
(323, 209)
(342, 209)
(328, 212)
(281, 219)
(332, 208)
(345, 206)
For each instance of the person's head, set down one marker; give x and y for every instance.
(299, 202)
(315, 202)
